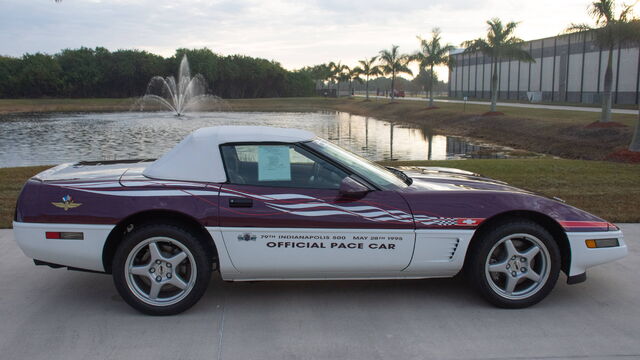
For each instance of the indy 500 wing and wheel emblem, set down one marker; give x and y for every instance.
(66, 204)
(261, 203)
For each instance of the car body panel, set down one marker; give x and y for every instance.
(292, 233)
(289, 230)
(439, 252)
(82, 254)
(109, 202)
(583, 257)
(440, 200)
(280, 252)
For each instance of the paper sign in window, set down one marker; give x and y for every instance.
(274, 163)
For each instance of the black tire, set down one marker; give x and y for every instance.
(193, 272)
(491, 270)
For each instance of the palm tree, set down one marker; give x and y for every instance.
(500, 44)
(609, 32)
(336, 74)
(354, 76)
(394, 63)
(369, 68)
(433, 53)
(344, 76)
(331, 73)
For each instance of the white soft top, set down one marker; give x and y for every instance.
(197, 157)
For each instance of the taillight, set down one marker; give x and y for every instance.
(64, 235)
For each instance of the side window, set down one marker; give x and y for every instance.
(285, 165)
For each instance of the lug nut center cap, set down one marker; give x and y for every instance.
(517, 265)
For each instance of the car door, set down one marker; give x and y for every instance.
(282, 215)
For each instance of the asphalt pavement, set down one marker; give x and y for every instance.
(60, 314)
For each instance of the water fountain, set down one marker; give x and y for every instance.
(186, 94)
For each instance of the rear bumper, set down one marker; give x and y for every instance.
(81, 254)
(583, 257)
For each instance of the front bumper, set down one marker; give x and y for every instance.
(82, 254)
(583, 257)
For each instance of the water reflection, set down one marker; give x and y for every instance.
(51, 138)
(381, 140)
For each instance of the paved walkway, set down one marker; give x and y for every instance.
(58, 314)
(518, 105)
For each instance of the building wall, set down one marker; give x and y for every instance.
(567, 68)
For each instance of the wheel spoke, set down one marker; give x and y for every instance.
(511, 249)
(499, 267)
(511, 284)
(178, 282)
(532, 275)
(177, 259)
(154, 252)
(155, 290)
(531, 253)
(142, 270)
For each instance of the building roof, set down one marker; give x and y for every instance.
(197, 157)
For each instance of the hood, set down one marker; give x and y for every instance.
(450, 179)
(442, 194)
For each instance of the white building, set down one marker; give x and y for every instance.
(567, 68)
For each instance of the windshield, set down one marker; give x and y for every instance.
(376, 174)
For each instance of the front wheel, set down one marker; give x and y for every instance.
(515, 264)
(161, 269)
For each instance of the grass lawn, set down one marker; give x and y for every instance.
(609, 190)
(71, 105)
(569, 116)
(305, 104)
(316, 103)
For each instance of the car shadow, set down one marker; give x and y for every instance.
(86, 291)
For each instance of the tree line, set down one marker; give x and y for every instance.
(389, 62)
(99, 72)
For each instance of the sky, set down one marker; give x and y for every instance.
(293, 33)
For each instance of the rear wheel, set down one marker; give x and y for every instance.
(515, 264)
(161, 269)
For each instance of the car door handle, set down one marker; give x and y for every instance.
(241, 203)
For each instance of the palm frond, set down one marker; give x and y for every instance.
(480, 45)
(392, 61)
(574, 28)
(403, 69)
(500, 42)
(609, 32)
(510, 28)
(515, 52)
(602, 11)
(432, 52)
(627, 11)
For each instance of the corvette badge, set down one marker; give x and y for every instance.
(67, 203)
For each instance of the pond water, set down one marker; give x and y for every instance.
(53, 138)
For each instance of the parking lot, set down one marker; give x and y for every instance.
(60, 314)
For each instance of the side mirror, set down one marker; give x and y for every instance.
(352, 188)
